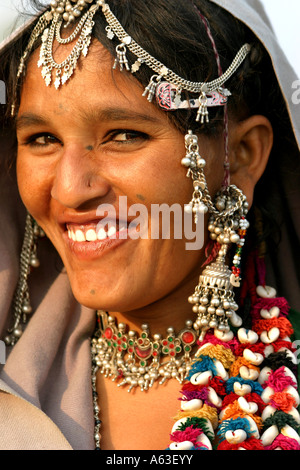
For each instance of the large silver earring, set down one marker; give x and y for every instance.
(213, 300)
(28, 260)
(195, 164)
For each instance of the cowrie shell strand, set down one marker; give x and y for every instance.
(266, 394)
(288, 431)
(185, 445)
(268, 350)
(264, 375)
(269, 435)
(270, 336)
(248, 407)
(201, 378)
(247, 336)
(266, 292)
(214, 398)
(266, 371)
(241, 389)
(295, 414)
(236, 437)
(221, 370)
(270, 410)
(292, 391)
(224, 336)
(254, 358)
(203, 439)
(253, 427)
(192, 405)
(248, 374)
(222, 413)
(268, 314)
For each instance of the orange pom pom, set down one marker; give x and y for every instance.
(282, 401)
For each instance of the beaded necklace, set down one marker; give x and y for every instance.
(241, 388)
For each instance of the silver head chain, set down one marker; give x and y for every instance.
(165, 84)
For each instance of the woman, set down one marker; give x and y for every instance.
(88, 141)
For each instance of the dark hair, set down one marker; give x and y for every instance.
(173, 32)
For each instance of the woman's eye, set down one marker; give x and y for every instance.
(42, 140)
(126, 136)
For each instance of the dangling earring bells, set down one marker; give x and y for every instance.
(28, 260)
(213, 300)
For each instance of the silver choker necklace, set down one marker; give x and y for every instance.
(137, 360)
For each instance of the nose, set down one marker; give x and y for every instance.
(78, 180)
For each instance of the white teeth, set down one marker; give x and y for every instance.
(79, 236)
(91, 235)
(101, 234)
(111, 231)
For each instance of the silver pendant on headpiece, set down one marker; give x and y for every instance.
(65, 12)
(204, 90)
(65, 69)
(121, 58)
(202, 114)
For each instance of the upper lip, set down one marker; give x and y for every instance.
(86, 218)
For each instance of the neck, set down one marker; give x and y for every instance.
(173, 310)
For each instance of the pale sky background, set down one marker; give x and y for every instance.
(284, 15)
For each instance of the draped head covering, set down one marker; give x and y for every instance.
(283, 271)
(45, 384)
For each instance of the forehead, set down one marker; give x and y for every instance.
(94, 84)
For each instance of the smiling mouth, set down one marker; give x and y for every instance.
(90, 240)
(96, 231)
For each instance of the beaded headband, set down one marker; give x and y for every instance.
(165, 84)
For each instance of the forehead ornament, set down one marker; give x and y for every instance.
(164, 84)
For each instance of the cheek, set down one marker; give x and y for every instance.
(160, 177)
(34, 185)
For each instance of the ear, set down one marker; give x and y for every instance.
(250, 145)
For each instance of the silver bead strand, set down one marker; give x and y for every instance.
(96, 409)
(28, 260)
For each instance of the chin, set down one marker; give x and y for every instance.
(105, 299)
(90, 297)
(96, 298)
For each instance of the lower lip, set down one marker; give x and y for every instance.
(95, 249)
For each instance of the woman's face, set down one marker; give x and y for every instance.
(87, 144)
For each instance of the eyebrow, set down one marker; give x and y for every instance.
(30, 119)
(116, 114)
